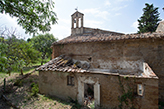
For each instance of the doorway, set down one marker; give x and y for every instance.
(88, 90)
(88, 94)
(88, 87)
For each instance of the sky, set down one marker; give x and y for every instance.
(113, 15)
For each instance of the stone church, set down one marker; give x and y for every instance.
(110, 69)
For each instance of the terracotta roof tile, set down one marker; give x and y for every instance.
(107, 37)
(64, 64)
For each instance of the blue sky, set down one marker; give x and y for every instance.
(113, 15)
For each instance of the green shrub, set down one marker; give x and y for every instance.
(32, 84)
(34, 89)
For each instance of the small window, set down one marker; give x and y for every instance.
(140, 89)
(70, 80)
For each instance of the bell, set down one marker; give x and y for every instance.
(74, 21)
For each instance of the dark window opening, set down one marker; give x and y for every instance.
(89, 58)
(70, 80)
(88, 94)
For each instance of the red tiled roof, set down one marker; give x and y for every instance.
(106, 37)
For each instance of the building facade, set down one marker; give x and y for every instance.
(120, 70)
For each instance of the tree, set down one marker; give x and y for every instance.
(15, 53)
(42, 43)
(148, 22)
(32, 15)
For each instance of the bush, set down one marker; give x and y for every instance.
(34, 89)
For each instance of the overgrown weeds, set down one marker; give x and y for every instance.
(76, 105)
(34, 89)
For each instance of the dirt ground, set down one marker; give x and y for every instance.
(20, 95)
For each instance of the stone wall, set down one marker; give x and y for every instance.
(111, 88)
(55, 84)
(96, 53)
(77, 31)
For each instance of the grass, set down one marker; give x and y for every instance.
(22, 97)
(39, 63)
(3, 75)
(25, 69)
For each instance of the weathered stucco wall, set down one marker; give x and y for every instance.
(55, 84)
(98, 53)
(160, 27)
(111, 87)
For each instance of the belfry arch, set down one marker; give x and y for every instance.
(77, 23)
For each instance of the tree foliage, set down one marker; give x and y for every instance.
(148, 22)
(42, 43)
(15, 54)
(32, 15)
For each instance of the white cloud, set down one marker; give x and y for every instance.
(119, 8)
(11, 24)
(123, 0)
(93, 23)
(135, 25)
(96, 12)
(60, 31)
(65, 21)
(117, 14)
(107, 3)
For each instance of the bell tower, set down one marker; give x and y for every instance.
(77, 23)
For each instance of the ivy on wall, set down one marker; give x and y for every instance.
(126, 95)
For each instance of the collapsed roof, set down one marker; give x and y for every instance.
(65, 63)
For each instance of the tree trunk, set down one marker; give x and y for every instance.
(43, 57)
(9, 73)
(21, 72)
(42, 62)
